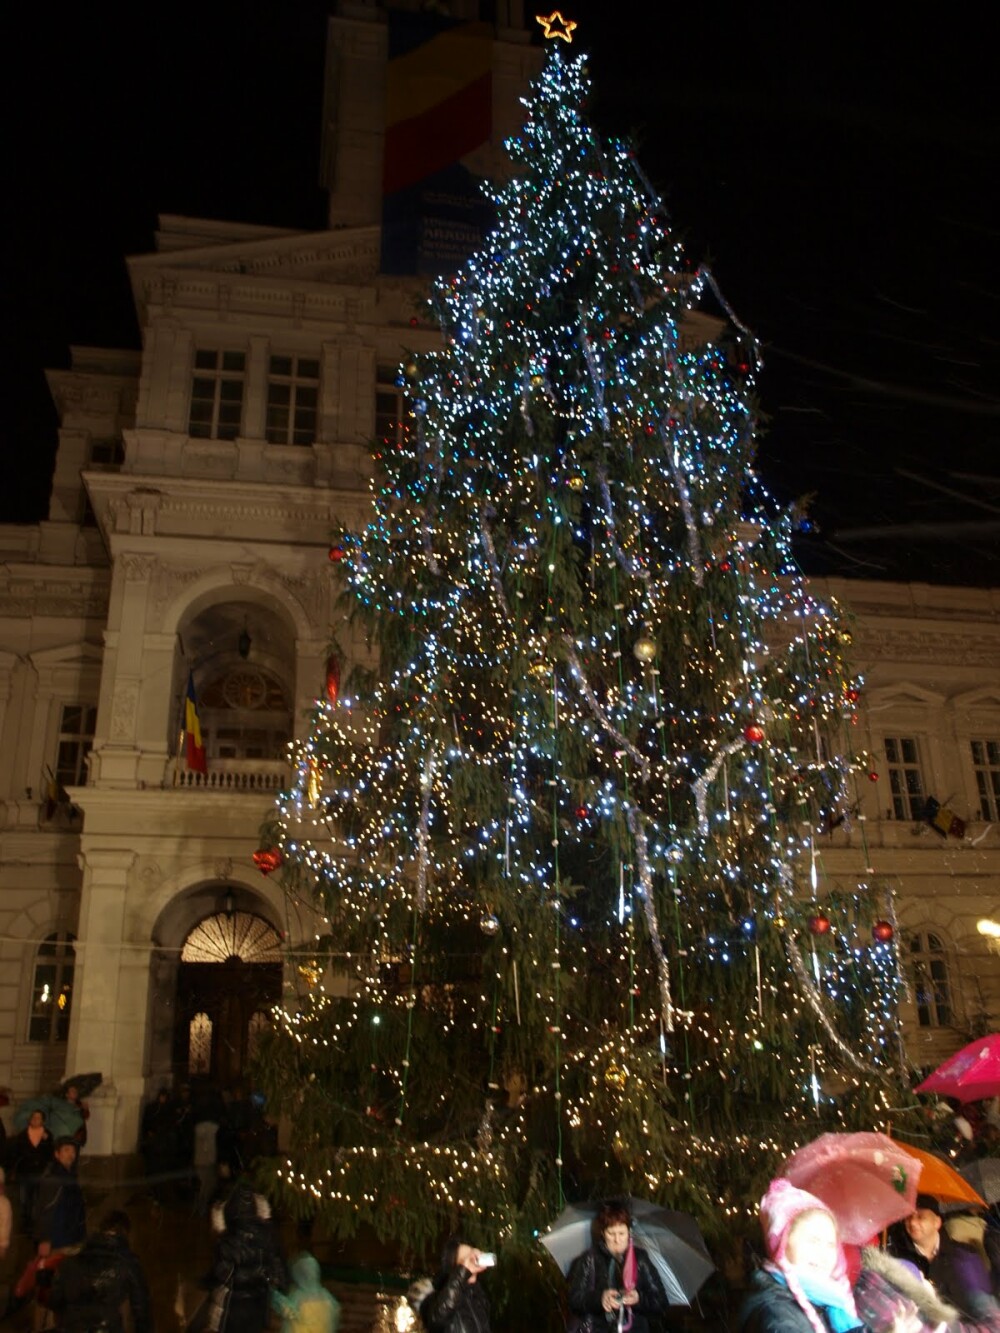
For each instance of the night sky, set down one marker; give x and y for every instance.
(835, 173)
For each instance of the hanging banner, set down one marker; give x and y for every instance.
(439, 102)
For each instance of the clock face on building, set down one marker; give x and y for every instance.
(244, 687)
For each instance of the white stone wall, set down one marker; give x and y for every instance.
(930, 657)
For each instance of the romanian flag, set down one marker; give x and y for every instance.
(194, 746)
(439, 111)
(439, 96)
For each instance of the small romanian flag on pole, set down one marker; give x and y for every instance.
(194, 746)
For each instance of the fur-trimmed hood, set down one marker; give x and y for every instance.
(931, 1306)
(243, 1206)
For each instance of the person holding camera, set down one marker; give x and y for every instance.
(457, 1302)
(614, 1284)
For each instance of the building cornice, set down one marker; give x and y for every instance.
(213, 510)
(906, 602)
(80, 592)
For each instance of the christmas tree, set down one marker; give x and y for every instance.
(564, 835)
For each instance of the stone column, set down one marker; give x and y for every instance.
(111, 985)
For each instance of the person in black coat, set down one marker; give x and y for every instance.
(457, 1302)
(247, 1263)
(60, 1219)
(957, 1270)
(28, 1154)
(615, 1277)
(91, 1287)
(158, 1142)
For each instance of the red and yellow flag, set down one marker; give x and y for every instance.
(194, 746)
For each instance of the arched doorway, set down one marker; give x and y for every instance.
(228, 980)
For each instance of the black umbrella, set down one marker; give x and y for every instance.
(983, 1175)
(84, 1084)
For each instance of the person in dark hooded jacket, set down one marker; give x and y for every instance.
(91, 1287)
(247, 1263)
(457, 1302)
(614, 1277)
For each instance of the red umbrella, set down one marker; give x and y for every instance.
(970, 1074)
(867, 1181)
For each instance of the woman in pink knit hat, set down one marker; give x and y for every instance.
(803, 1286)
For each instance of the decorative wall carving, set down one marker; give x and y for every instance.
(944, 646)
(215, 511)
(168, 583)
(150, 875)
(55, 597)
(138, 568)
(124, 704)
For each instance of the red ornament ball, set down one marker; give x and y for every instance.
(725, 566)
(754, 733)
(873, 776)
(819, 924)
(581, 812)
(267, 859)
(852, 696)
(335, 553)
(883, 931)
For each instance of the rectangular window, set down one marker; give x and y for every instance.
(52, 990)
(217, 395)
(906, 780)
(390, 406)
(931, 983)
(106, 455)
(292, 400)
(986, 762)
(76, 737)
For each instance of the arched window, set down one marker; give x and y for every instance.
(200, 1045)
(259, 1023)
(931, 982)
(227, 935)
(245, 714)
(52, 989)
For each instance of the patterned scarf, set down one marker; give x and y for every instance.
(832, 1295)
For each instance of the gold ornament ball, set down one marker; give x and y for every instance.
(489, 924)
(539, 668)
(575, 483)
(644, 649)
(411, 368)
(615, 1077)
(538, 380)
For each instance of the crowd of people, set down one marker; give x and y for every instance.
(195, 1152)
(193, 1140)
(931, 1272)
(921, 1280)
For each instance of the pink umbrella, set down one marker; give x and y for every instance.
(865, 1180)
(970, 1074)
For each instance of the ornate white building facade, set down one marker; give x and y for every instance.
(196, 488)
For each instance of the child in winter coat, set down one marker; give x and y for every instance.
(307, 1307)
(803, 1287)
